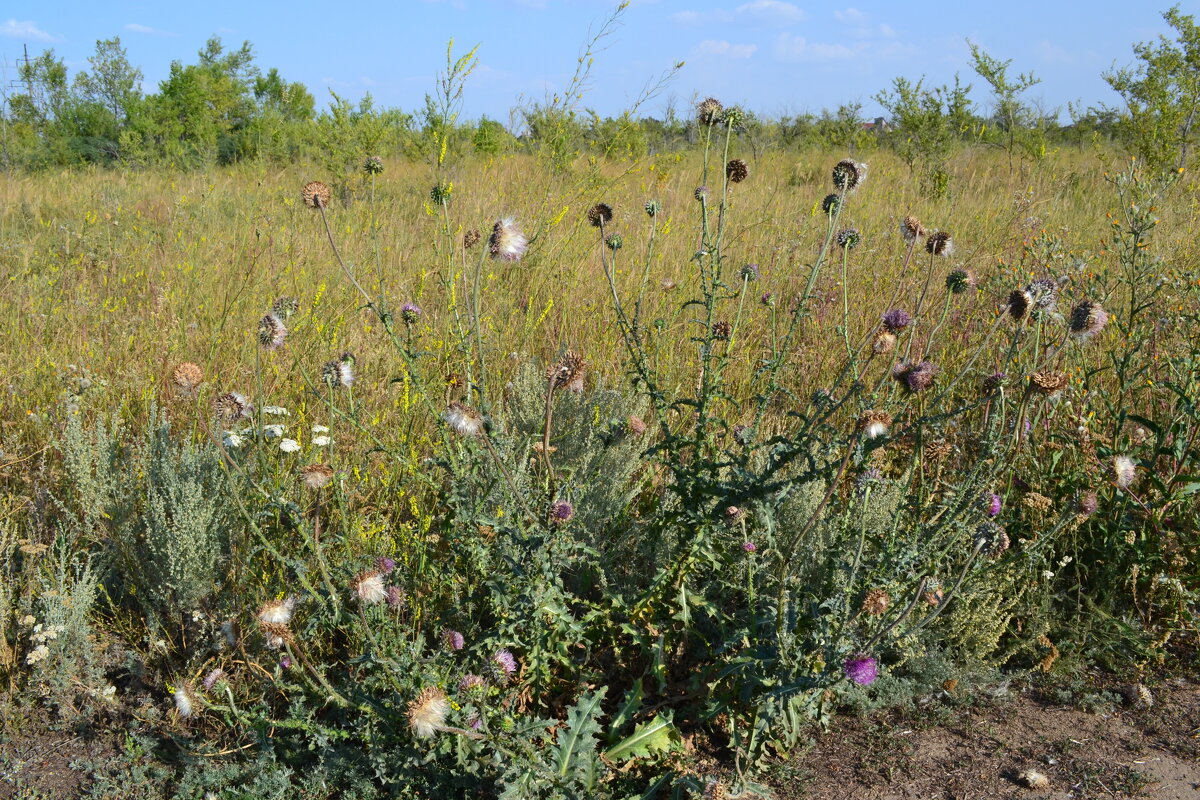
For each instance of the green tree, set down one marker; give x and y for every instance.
(113, 82)
(202, 108)
(926, 123)
(1162, 95)
(1016, 126)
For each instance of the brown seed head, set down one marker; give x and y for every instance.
(187, 377)
(876, 602)
(737, 170)
(911, 228)
(568, 372)
(316, 195)
(1049, 384)
(316, 476)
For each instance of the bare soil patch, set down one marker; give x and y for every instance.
(1086, 747)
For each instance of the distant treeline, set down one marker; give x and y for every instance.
(225, 109)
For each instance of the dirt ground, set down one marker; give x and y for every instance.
(1119, 747)
(1102, 742)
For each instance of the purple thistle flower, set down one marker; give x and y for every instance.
(561, 512)
(505, 661)
(394, 596)
(410, 313)
(993, 505)
(285, 662)
(453, 639)
(915, 377)
(896, 320)
(210, 680)
(750, 272)
(863, 670)
(750, 547)
(768, 299)
(471, 681)
(475, 722)
(385, 564)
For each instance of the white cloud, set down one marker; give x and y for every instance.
(1049, 52)
(146, 29)
(849, 15)
(796, 48)
(701, 17)
(887, 31)
(25, 30)
(720, 47)
(773, 11)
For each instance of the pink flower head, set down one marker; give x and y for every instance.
(861, 669)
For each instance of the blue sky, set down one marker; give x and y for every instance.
(770, 55)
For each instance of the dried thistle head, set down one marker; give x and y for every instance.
(232, 406)
(874, 423)
(737, 170)
(277, 612)
(272, 333)
(1020, 303)
(991, 539)
(708, 112)
(722, 329)
(316, 195)
(939, 244)
(507, 243)
(600, 215)
(463, 420)
(316, 476)
(884, 342)
(568, 373)
(876, 602)
(937, 451)
(187, 377)
(427, 713)
(1049, 384)
(368, 586)
(848, 175)
(471, 238)
(339, 373)
(1087, 319)
(911, 228)
(285, 306)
